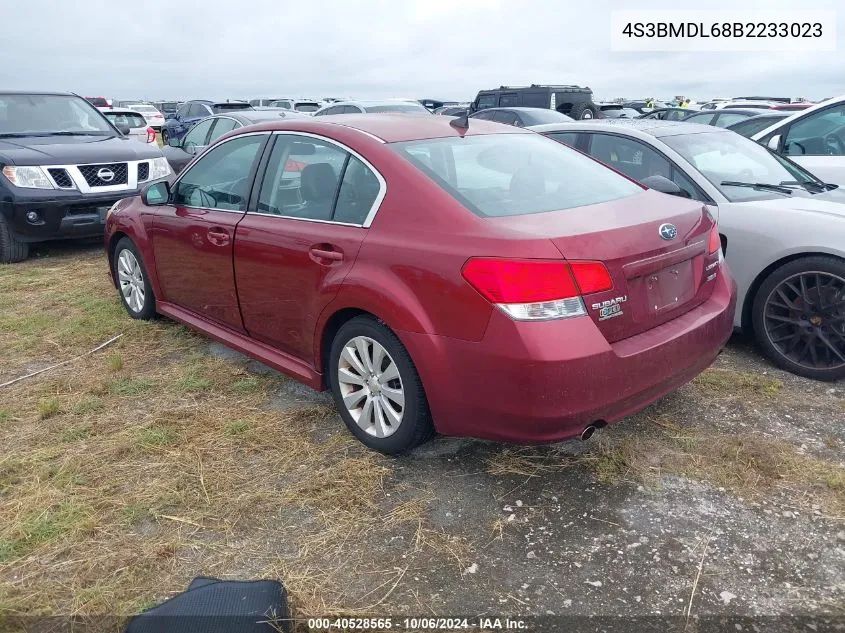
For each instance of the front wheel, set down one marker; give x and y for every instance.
(376, 388)
(799, 317)
(133, 283)
(12, 250)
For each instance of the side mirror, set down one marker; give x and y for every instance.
(774, 143)
(664, 185)
(122, 128)
(156, 194)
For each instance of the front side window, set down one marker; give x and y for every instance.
(569, 138)
(223, 125)
(677, 115)
(196, 137)
(182, 112)
(506, 117)
(632, 158)
(220, 179)
(749, 127)
(819, 134)
(496, 175)
(302, 178)
(486, 101)
(41, 115)
(723, 157)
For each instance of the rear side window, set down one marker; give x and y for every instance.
(750, 127)
(515, 174)
(220, 179)
(302, 178)
(509, 99)
(132, 120)
(359, 190)
(705, 119)
(569, 138)
(535, 99)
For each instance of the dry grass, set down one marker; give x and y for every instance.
(751, 466)
(129, 472)
(732, 383)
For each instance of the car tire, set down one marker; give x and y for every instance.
(790, 313)
(133, 282)
(367, 403)
(583, 111)
(12, 250)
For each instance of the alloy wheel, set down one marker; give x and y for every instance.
(131, 280)
(804, 318)
(371, 387)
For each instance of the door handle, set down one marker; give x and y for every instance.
(218, 236)
(325, 254)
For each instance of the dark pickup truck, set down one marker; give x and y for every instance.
(62, 166)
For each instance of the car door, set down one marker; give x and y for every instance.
(817, 143)
(293, 252)
(193, 236)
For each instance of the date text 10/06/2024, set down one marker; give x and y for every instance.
(416, 624)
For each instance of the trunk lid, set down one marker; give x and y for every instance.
(654, 279)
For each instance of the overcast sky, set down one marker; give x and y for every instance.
(447, 49)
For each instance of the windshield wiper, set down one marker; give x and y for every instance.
(42, 134)
(821, 186)
(758, 185)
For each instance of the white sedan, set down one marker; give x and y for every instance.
(154, 118)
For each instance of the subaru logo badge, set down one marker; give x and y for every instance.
(107, 175)
(668, 232)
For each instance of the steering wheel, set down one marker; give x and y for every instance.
(833, 145)
(796, 144)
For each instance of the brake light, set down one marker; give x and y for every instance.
(591, 277)
(534, 289)
(151, 135)
(715, 242)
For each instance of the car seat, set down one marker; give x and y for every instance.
(318, 185)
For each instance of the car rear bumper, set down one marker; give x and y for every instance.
(546, 381)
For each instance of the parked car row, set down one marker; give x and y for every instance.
(363, 252)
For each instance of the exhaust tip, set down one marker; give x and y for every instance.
(587, 433)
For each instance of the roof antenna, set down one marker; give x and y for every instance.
(461, 123)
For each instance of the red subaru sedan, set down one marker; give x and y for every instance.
(482, 281)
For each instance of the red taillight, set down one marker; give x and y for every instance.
(151, 135)
(535, 280)
(520, 281)
(591, 277)
(715, 242)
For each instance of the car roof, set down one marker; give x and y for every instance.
(513, 109)
(393, 127)
(251, 117)
(736, 111)
(44, 92)
(120, 111)
(379, 102)
(648, 127)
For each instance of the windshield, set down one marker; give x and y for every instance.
(131, 119)
(515, 174)
(724, 157)
(49, 114)
(306, 107)
(398, 107)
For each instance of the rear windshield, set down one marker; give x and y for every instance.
(130, 119)
(46, 114)
(515, 174)
(544, 115)
(145, 108)
(306, 107)
(100, 102)
(397, 107)
(228, 107)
